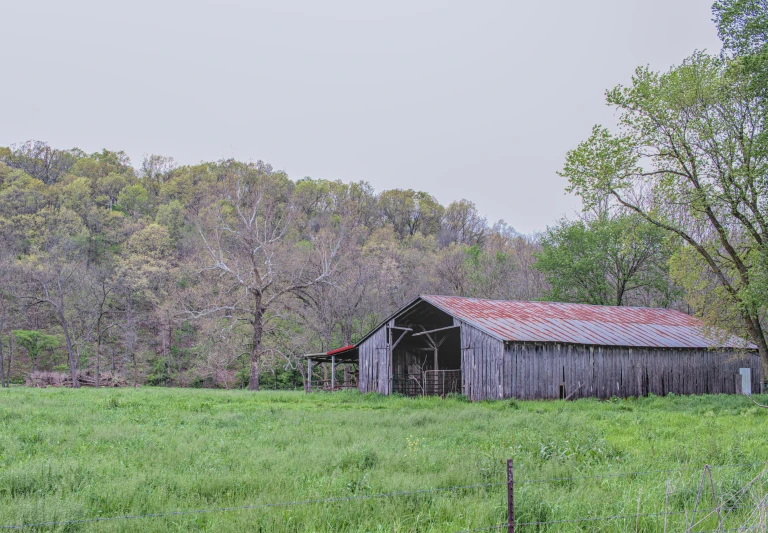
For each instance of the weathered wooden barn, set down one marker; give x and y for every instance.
(489, 349)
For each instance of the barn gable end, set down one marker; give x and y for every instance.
(375, 361)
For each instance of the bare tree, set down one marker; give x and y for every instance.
(40, 161)
(154, 170)
(463, 224)
(252, 266)
(55, 284)
(102, 289)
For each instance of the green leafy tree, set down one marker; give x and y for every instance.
(35, 343)
(101, 164)
(410, 211)
(606, 261)
(133, 199)
(691, 158)
(171, 216)
(743, 28)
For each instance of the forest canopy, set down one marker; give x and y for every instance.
(222, 273)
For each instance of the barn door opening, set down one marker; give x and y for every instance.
(426, 359)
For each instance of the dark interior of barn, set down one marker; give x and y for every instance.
(426, 355)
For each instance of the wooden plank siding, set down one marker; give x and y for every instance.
(483, 372)
(606, 371)
(376, 362)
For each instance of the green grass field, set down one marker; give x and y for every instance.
(73, 454)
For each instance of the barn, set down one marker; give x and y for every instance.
(490, 349)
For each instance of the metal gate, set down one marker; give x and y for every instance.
(442, 382)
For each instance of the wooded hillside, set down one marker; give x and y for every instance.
(183, 275)
(178, 274)
(221, 273)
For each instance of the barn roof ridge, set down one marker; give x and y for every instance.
(547, 302)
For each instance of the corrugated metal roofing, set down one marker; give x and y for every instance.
(584, 324)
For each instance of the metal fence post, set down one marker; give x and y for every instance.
(510, 497)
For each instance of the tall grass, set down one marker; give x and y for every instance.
(68, 454)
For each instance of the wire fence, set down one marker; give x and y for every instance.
(756, 520)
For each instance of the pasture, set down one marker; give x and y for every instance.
(83, 454)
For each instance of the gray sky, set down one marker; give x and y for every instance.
(476, 100)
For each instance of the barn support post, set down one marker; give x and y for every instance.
(309, 375)
(333, 373)
(510, 497)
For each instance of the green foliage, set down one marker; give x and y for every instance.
(409, 211)
(690, 158)
(35, 343)
(743, 28)
(101, 453)
(158, 375)
(606, 261)
(280, 378)
(742, 25)
(171, 216)
(133, 199)
(152, 241)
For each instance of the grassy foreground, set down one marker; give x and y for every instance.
(69, 454)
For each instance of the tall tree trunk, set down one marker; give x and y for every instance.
(258, 330)
(165, 354)
(253, 379)
(170, 350)
(70, 351)
(98, 350)
(98, 359)
(10, 359)
(65, 326)
(2, 369)
(2, 327)
(758, 337)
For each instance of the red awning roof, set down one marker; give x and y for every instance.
(341, 350)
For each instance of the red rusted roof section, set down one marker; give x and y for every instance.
(341, 350)
(584, 324)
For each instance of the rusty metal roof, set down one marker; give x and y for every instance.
(584, 324)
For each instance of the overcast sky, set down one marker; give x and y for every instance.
(476, 100)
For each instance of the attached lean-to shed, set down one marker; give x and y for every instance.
(487, 349)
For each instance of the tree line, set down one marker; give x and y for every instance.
(223, 273)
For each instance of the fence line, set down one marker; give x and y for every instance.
(719, 508)
(250, 507)
(638, 473)
(587, 519)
